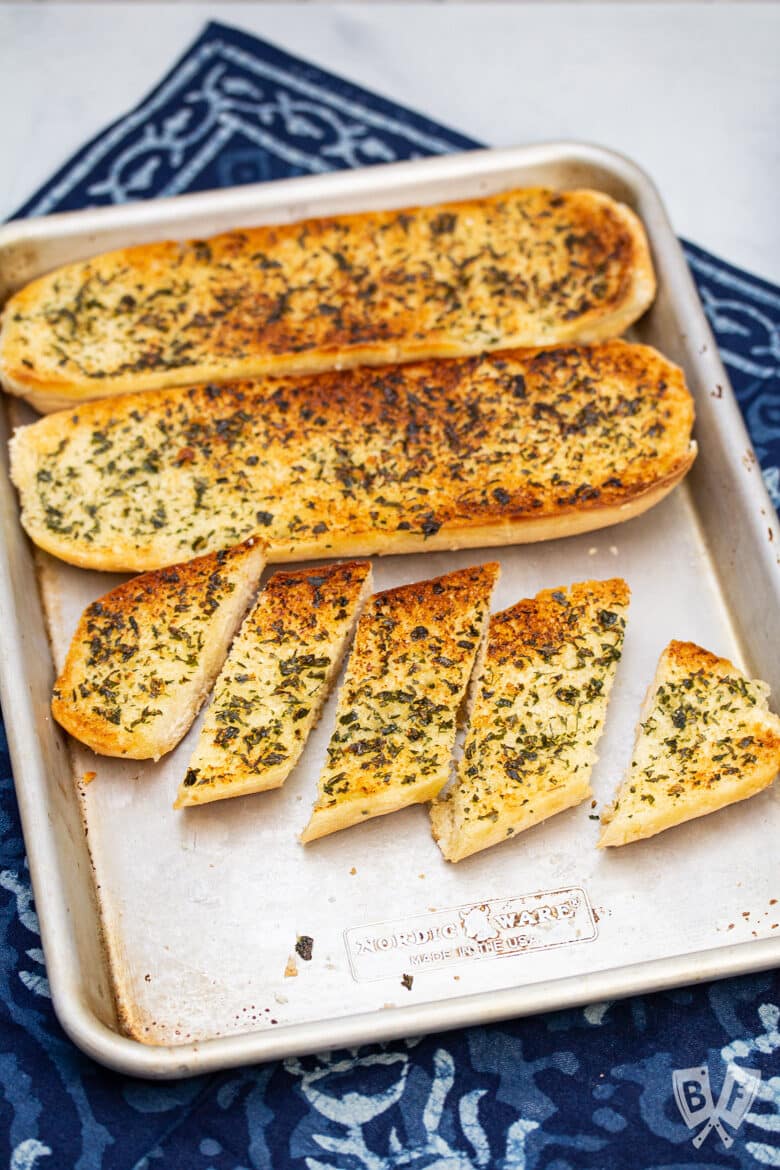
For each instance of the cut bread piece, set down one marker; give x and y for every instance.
(524, 267)
(277, 676)
(519, 446)
(144, 656)
(539, 701)
(706, 739)
(395, 726)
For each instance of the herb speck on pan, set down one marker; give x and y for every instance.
(304, 947)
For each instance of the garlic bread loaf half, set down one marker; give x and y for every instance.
(522, 445)
(706, 739)
(144, 656)
(525, 267)
(538, 705)
(397, 713)
(276, 678)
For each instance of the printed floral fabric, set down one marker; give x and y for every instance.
(584, 1088)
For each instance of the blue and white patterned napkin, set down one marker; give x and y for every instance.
(588, 1088)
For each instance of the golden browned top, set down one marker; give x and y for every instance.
(304, 604)
(275, 679)
(399, 459)
(140, 648)
(414, 650)
(689, 660)
(539, 704)
(706, 722)
(525, 267)
(706, 739)
(537, 629)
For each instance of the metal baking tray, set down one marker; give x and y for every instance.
(168, 936)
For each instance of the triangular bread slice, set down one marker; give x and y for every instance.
(397, 714)
(277, 676)
(539, 701)
(705, 740)
(144, 656)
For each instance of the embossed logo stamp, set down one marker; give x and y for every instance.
(483, 930)
(693, 1094)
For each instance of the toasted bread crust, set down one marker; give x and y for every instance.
(395, 726)
(706, 739)
(271, 689)
(144, 655)
(516, 446)
(529, 267)
(539, 702)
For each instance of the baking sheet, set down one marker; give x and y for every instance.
(200, 910)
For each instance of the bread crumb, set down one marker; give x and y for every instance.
(88, 777)
(291, 969)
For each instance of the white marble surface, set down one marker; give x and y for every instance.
(691, 91)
